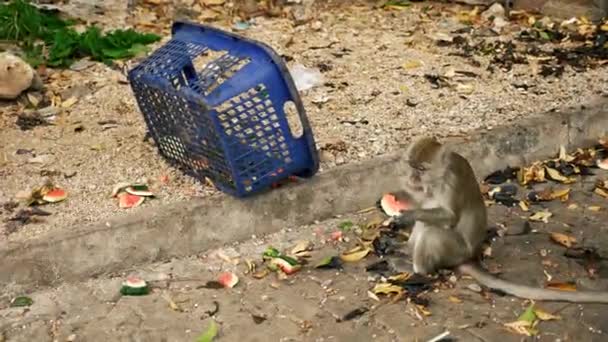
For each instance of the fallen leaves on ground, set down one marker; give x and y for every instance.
(563, 239)
(526, 324)
(541, 216)
(355, 254)
(561, 286)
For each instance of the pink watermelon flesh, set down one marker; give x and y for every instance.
(55, 195)
(126, 200)
(392, 206)
(228, 279)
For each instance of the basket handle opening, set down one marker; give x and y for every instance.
(293, 119)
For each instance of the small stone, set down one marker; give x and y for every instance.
(474, 288)
(15, 76)
(340, 160)
(317, 25)
(495, 11)
(71, 338)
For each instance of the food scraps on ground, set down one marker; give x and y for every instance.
(228, 279)
(48, 193)
(134, 286)
(131, 195)
(279, 261)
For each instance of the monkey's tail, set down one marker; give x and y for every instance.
(529, 292)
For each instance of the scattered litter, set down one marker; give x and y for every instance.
(305, 78)
(241, 25)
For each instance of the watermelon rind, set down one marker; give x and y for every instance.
(139, 191)
(134, 287)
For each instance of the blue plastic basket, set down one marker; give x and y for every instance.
(214, 105)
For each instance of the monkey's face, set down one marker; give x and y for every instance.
(418, 180)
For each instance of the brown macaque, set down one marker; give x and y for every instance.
(450, 221)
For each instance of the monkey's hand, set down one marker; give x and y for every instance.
(406, 219)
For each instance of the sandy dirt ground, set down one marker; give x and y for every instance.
(388, 76)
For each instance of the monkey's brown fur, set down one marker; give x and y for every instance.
(451, 221)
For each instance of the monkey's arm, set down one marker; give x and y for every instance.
(438, 216)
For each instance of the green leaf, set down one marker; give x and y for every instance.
(397, 3)
(210, 334)
(345, 226)
(544, 35)
(271, 252)
(528, 315)
(329, 262)
(22, 301)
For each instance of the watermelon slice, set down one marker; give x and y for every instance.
(392, 205)
(228, 279)
(284, 265)
(126, 200)
(134, 286)
(55, 195)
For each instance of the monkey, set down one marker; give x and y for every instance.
(450, 221)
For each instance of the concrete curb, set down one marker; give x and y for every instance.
(190, 227)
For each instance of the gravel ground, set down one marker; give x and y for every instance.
(374, 99)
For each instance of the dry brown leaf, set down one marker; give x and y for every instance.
(545, 316)
(562, 194)
(600, 192)
(212, 2)
(455, 300)
(300, 247)
(400, 277)
(557, 176)
(387, 288)
(594, 208)
(561, 286)
(563, 239)
(423, 310)
(355, 254)
(69, 102)
(533, 173)
(523, 205)
(412, 64)
(521, 327)
(541, 216)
